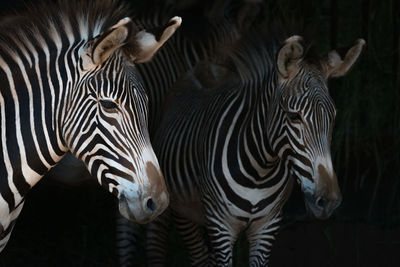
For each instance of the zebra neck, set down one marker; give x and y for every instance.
(246, 140)
(33, 97)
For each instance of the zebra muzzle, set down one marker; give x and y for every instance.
(322, 206)
(144, 205)
(145, 210)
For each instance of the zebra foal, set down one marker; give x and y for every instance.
(236, 135)
(69, 83)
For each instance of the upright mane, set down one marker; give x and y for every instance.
(82, 18)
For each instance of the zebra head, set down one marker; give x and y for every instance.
(105, 123)
(307, 115)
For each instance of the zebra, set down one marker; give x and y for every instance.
(235, 135)
(68, 75)
(221, 24)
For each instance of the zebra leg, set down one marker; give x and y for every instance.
(222, 239)
(194, 241)
(7, 224)
(156, 241)
(126, 240)
(261, 239)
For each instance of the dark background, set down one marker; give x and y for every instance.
(74, 226)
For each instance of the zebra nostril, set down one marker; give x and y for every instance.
(321, 202)
(150, 204)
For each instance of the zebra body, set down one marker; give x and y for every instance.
(69, 83)
(230, 149)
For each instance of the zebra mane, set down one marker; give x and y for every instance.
(53, 19)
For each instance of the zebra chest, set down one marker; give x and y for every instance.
(249, 202)
(246, 195)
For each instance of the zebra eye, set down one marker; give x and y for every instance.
(107, 104)
(294, 116)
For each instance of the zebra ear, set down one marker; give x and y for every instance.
(289, 57)
(334, 65)
(98, 49)
(147, 42)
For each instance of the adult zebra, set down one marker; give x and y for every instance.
(68, 83)
(206, 27)
(236, 135)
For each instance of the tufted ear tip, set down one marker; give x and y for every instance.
(121, 22)
(177, 21)
(361, 42)
(147, 42)
(294, 39)
(337, 64)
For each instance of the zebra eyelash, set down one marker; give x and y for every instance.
(294, 116)
(109, 104)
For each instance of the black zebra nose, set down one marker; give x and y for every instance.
(151, 205)
(323, 206)
(321, 202)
